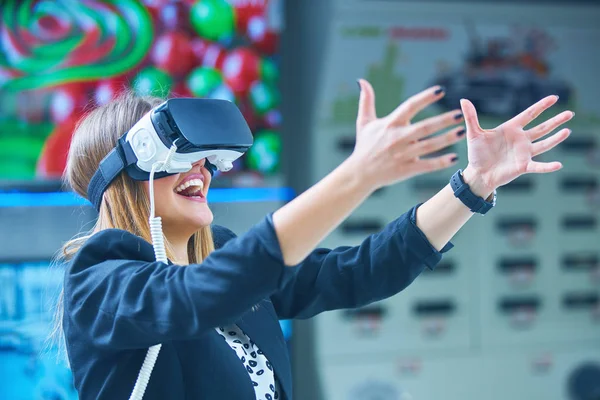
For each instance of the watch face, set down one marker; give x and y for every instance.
(494, 199)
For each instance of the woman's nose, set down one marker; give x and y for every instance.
(199, 163)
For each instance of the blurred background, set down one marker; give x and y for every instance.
(512, 312)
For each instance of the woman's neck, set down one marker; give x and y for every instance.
(180, 252)
(179, 246)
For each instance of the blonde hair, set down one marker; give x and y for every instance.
(125, 204)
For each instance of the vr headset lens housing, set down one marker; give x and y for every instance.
(199, 128)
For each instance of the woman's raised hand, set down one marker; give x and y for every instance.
(392, 149)
(500, 155)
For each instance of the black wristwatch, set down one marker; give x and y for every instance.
(463, 192)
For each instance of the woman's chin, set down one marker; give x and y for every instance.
(194, 213)
(199, 216)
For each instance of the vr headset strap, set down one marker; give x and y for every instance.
(110, 167)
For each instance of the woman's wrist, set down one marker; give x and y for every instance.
(360, 175)
(477, 183)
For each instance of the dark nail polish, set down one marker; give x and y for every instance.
(458, 116)
(359, 87)
(460, 133)
(439, 91)
(454, 159)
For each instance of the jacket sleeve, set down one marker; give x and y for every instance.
(124, 303)
(348, 277)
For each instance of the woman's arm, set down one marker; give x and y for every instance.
(387, 262)
(347, 277)
(387, 150)
(118, 297)
(496, 157)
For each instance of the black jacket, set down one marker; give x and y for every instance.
(119, 301)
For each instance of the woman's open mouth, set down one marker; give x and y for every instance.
(192, 190)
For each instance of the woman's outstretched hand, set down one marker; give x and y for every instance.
(500, 155)
(390, 149)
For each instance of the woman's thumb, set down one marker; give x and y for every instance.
(366, 104)
(470, 115)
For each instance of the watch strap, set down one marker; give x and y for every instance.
(463, 192)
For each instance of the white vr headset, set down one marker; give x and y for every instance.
(198, 128)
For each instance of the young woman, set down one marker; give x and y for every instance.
(215, 306)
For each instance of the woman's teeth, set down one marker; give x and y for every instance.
(196, 184)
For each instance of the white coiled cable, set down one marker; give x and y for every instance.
(160, 253)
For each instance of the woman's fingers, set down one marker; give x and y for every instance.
(545, 128)
(435, 163)
(413, 105)
(535, 167)
(549, 143)
(437, 143)
(534, 111)
(435, 124)
(366, 104)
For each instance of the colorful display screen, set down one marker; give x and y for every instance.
(60, 58)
